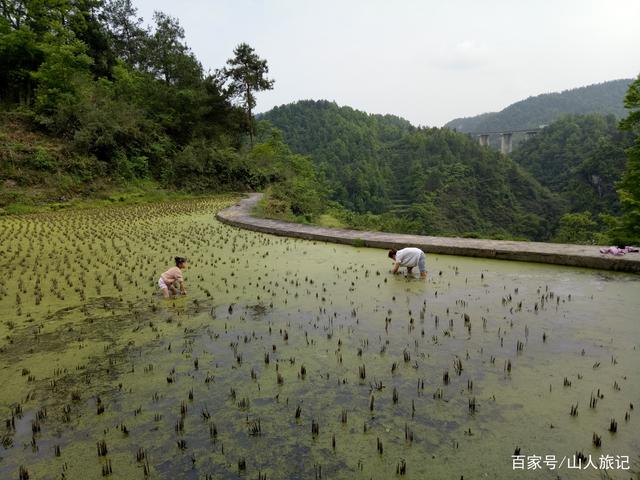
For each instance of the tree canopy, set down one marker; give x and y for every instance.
(128, 101)
(429, 181)
(626, 229)
(245, 74)
(111, 99)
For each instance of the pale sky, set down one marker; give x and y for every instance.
(427, 61)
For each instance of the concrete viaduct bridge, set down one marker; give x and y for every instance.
(506, 145)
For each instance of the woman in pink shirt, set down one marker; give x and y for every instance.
(172, 278)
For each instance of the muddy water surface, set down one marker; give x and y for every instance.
(296, 359)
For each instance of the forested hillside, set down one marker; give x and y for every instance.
(349, 147)
(92, 100)
(431, 181)
(580, 158)
(605, 98)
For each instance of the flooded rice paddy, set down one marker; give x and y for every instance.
(297, 359)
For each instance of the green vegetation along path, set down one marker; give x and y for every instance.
(588, 256)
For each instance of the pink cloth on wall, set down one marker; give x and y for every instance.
(618, 251)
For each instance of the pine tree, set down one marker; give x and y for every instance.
(246, 74)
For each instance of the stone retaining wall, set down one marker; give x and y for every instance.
(239, 215)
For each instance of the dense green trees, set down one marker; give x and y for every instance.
(565, 184)
(348, 147)
(126, 102)
(579, 156)
(132, 102)
(626, 229)
(297, 192)
(577, 228)
(431, 181)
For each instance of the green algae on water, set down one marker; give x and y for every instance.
(295, 359)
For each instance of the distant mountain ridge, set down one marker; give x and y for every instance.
(605, 98)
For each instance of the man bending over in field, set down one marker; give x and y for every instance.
(409, 257)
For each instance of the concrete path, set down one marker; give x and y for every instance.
(239, 215)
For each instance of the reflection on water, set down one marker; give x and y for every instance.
(294, 359)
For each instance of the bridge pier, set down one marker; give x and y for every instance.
(483, 138)
(505, 143)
